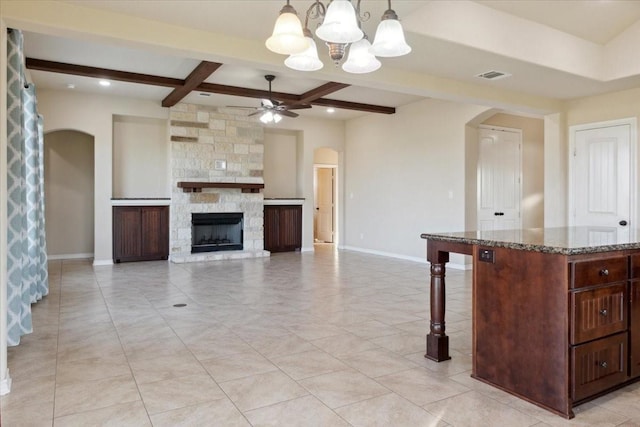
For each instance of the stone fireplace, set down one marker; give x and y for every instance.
(215, 145)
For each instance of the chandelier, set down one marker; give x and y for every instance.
(341, 28)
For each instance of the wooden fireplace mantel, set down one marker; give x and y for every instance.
(196, 187)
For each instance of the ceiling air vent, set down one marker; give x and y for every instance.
(493, 75)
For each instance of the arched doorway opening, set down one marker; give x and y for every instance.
(69, 194)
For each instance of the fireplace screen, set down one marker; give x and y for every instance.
(216, 232)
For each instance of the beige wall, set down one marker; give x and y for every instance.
(555, 171)
(313, 134)
(611, 106)
(93, 114)
(140, 157)
(532, 207)
(68, 184)
(401, 171)
(280, 163)
(325, 156)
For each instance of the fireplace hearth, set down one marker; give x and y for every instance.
(211, 232)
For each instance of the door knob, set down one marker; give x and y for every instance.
(623, 223)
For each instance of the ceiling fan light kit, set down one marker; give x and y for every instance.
(272, 111)
(341, 28)
(270, 117)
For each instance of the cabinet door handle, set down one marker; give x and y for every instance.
(604, 272)
(603, 364)
(604, 312)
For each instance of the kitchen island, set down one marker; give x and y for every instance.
(556, 311)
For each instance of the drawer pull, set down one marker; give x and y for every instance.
(603, 364)
(604, 312)
(604, 272)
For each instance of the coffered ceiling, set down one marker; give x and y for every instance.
(553, 50)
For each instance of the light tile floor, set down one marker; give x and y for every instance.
(324, 339)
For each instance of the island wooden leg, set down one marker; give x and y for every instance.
(437, 340)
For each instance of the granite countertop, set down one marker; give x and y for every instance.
(561, 240)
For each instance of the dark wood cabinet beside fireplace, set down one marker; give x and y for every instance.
(282, 228)
(140, 233)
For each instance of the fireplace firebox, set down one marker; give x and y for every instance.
(212, 232)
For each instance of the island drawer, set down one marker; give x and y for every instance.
(599, 272)
(598, 312)
(599, 365)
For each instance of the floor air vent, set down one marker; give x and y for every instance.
(493, 75)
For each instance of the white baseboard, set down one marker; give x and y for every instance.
(97, 262)
(452, 265)
(69, 256)
(5, 385)
(307, 249)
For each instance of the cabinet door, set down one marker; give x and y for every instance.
(634, 330)
(154, 224)
(291, 227)
(271, 228)
(126, 233)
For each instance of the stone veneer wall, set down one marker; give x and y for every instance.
(200, 135)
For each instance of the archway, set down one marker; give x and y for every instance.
(69, 194)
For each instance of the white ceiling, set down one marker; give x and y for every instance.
(451, 40)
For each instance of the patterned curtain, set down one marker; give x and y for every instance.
(26, 247)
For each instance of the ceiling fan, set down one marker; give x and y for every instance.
(272, 110)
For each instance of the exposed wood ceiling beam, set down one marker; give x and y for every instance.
(247, 93)
(101, 73)
(321, 91)
(124, 76)
(348, 105)
(197, 76)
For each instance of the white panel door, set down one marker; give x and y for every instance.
(602, 178)
(499, 187)
(324, 205)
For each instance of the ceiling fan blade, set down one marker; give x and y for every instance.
(288, 113)
(296, 106)
(255, 113)
(241, 106)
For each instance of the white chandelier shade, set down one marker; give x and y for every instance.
(360, 59)
(307, 60)
(389, 41)
(340, 24)
(287, 37)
